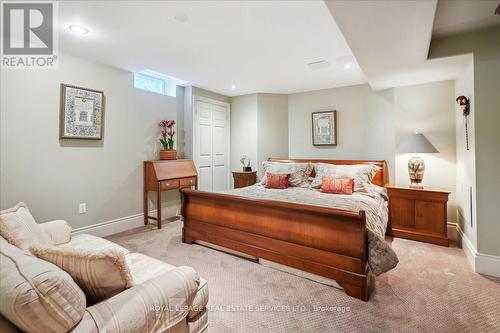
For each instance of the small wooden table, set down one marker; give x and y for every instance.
(244, 178)
(163, 175)
(418, 214)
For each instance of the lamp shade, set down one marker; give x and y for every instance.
(416, 143)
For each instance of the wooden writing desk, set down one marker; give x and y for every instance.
(163, 175)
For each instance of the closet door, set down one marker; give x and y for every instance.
(204, 145)
(211, 145)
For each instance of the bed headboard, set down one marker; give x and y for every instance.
(381, 178)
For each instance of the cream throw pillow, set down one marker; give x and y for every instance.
(100, 274)
(299, 172)
(19, 228)
(361, 173)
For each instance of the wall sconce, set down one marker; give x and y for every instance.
(464, 104)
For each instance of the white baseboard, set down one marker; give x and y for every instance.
(488, 264)
(453, 232)
(121, 224)
(481, 263)
(107, 228)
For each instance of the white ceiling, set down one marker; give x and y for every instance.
(265, 46)
(391, 39)
(259, 46)
(453, 17)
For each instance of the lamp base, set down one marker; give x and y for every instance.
(416, 168)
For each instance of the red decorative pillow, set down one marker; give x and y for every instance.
(277, 180)
(337, 185)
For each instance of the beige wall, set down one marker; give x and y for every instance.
(429, 109)
(244, 133)
(365, 124)
(259, 129)
(53, 176)
(485, 46)
(370, 125)
(210, 94)
(466, 160)
(272, 127)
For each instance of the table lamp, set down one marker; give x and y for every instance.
(416, 143)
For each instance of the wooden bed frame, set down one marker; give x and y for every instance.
(329, 242)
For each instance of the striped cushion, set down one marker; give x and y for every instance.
(101, 274)
(337, 185)
(37, 296)
(144, 268)
(19, 228)
(156, 305)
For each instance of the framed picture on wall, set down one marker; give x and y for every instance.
(82, 113)
(324, 128)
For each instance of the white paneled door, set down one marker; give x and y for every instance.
(211, 149)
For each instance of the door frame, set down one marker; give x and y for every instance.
(195, 99)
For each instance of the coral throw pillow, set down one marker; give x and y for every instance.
(336, 185)
(277, 180)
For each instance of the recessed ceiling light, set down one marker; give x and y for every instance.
(78, 29)
(181, 17)
(347, 66)
(233, 87)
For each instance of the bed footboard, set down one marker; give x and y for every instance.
(323, 241)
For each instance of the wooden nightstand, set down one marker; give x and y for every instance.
(244, 178)
(418, 214)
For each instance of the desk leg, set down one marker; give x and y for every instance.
(146, 207)
(158, 206)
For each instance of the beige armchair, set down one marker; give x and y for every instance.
(164, 298)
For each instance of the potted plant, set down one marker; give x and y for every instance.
(167, 140)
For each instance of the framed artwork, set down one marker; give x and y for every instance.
(82, 113)
(324, 128)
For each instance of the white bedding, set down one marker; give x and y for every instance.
(381, 257)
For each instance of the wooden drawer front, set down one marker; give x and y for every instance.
(430, 216)
(169, 184)
(402, 213)
(187, 182)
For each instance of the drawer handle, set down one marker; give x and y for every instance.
(168, 184)
(191, 181)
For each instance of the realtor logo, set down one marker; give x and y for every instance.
(29, 38)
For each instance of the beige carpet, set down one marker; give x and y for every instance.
(433, 289)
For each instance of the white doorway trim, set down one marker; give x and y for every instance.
(228, 132)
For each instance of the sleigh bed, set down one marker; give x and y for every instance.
(325, 241)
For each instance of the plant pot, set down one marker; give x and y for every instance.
(169, 154)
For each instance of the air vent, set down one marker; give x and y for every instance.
(318, 64)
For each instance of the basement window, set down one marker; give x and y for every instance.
(157, 82)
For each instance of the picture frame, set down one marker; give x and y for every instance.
(81, 113)
(324, 128)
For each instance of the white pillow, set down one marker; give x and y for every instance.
(19, 228)
(361, 173)
(299, 172)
